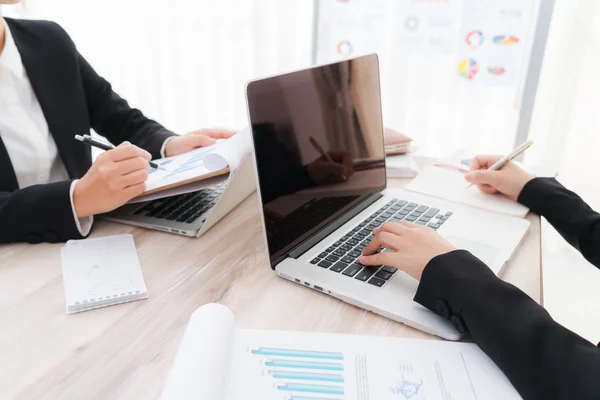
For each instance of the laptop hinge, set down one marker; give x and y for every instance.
(309, 243)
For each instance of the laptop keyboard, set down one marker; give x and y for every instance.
(342, 256)
(304, 218)
(186, 207)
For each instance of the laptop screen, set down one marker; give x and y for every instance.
(318, 139)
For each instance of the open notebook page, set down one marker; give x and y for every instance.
(276, 365)
(451, 185)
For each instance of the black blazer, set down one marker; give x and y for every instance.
(541, 358)
(74, 100)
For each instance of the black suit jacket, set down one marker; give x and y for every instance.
(541, 358)
(74, 99)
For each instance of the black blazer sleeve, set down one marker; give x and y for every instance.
(111, 116)
(38, 213)
(541, 358)
(571, 216)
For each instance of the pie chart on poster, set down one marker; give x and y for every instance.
(475, 39)
(344, 48)
(468, 69)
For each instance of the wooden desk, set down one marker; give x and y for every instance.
(126, 351)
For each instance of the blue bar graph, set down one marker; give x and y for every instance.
(306, 376)
(298, 353)
(305, 365)
(303, 374)
(318, 389)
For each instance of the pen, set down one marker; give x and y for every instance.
(318, 147)
(91, 141)
(506, 159)
(326, 156)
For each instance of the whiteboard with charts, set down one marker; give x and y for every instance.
(457, 66)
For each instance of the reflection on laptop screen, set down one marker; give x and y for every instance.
(318, 138)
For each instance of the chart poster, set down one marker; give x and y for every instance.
(427, 26)
(348, 28)
(494, 40)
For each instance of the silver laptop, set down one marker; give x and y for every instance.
(191, 214)
(318, 218)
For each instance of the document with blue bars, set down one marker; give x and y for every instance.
(216, 361)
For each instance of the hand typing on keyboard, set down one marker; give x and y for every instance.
(413, 246)
(342, 256)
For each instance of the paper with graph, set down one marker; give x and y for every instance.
(202, 163)
(216, 361)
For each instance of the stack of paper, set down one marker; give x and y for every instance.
(401, 166)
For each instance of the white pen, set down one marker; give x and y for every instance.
(506, 159)
(324, 154)
(318, 147)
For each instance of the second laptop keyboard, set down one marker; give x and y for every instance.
(342, 256)
(184, 207)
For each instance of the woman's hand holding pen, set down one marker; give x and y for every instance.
(510, 180)
(338, 170)
(116, 177)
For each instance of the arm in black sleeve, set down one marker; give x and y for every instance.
(113, 118)
(541, 358)
(38, 213)
(567, 212)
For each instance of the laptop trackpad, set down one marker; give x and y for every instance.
(485, 253)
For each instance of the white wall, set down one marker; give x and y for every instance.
(186, 62)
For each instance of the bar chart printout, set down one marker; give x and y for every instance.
(303, 374)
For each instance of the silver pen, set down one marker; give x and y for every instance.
(508, 158)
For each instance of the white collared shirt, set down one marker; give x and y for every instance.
(24, 129)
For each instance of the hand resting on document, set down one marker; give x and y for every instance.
(190, 141)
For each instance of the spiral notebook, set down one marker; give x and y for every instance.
(101, 272)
